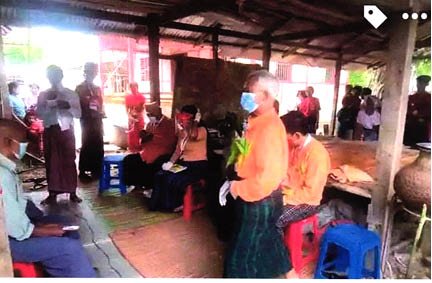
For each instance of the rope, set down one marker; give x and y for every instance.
(415, 214)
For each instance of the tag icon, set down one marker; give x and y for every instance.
(374, 15)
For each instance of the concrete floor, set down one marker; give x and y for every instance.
(105, 257)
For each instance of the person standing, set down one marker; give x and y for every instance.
(418, 118)
(92, 113)
(135, 110)
(257, 249)
(57, 107)
(16, 102)
(310, 107)
(31, 99)
(368, 121)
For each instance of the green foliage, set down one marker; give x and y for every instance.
(361, 78)
(422, 67)
(240, 148)
(23, 54)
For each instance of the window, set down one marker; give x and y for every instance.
(282, 72)
(145, 69)
(114, 72)
(316, 75)
(299, 73)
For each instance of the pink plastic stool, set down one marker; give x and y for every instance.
(188, 202)
(26, 270)
(294, 240)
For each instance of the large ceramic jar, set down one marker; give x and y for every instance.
(412, 183)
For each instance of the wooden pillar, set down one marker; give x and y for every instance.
(266, 55)
(131, 60)
(5, 110)
(338, 68)
(394, 109)
(153, 39)
(215, 46)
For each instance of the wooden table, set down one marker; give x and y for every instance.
(361, 155)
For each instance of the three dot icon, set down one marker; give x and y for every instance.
(415, 16)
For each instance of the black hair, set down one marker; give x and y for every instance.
(295, 121)
(367, 91)
(191, 109)
(12, 86)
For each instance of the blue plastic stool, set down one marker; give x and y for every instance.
(349, 251)
(112, 163)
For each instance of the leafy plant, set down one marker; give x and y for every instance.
(240, 148)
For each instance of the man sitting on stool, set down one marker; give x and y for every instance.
(34, 237)
(308, 167)
(158, 142)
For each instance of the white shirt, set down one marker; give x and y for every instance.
(368, 121)
(51, 115)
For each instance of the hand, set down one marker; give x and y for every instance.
(63, 104)
(48, 230)
(167, 165)
(223, 192)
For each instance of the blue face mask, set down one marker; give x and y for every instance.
(247, 102)
(22, 149)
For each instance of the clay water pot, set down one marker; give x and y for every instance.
(412, 183)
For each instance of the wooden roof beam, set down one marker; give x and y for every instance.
(191, 8)
(349, 28)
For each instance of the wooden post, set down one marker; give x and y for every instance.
(394, 109)
(338, 68)
(215, 45)
(153, 39)
(266, 54)
(131, 60)
(5, 110)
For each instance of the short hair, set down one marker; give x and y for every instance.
(54, 68)
(265, 77)
(12, 129)
(295, 122)
(133, 84)
(12, 86)
(34, 85)
(191, 109)
(367, 91)
(90, 66)
(424, 79)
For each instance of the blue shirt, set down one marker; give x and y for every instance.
(18, 225)
(17, 105)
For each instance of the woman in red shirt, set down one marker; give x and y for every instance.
(135, 110)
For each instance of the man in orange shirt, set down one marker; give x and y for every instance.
(308, 167)
(257, 250)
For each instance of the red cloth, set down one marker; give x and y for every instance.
(135, 108)
(163, 142)
(309, 106)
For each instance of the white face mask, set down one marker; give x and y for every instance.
(153, 120)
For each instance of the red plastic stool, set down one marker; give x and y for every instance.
(188, 201)
(26, 270)
(294, 240)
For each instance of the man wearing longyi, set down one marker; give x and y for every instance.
(257, 250)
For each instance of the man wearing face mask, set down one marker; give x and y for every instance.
(257, 250)
(157, 144)
(92, 145)
(57, 107)
(34, 237)
(308, 167)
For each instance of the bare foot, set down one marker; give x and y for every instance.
(292, 274)
(49, 200)
(74, 198)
